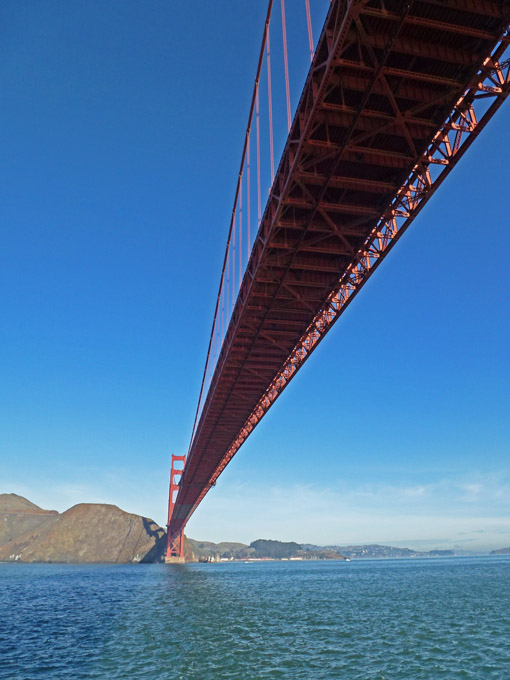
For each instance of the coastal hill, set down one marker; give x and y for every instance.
(19, 516)
(375, 551)
(260, 549)
(266, 549)
(88, 532)
(98, 532)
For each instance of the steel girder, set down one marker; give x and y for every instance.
(396, 94)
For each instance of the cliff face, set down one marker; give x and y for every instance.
(87, 532)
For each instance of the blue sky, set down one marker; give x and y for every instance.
(122, 127)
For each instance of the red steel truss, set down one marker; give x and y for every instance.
(396, 93)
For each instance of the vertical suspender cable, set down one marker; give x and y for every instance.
(213, 348)
(227, 306)
(248, 198)
(270, 105)
(309, 23)
(240, 255)
(286, 63)
(215, 343)
(233, 280)
(221, 319)
(225, 259)
(259, 213)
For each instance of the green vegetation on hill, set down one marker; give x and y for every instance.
(377, 551)
(260, 549)
(274, 549)
(226, 550)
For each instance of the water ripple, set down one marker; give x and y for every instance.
(366, 620)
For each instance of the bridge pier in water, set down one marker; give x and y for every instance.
(175, 549)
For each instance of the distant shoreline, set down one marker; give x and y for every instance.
(98, 533)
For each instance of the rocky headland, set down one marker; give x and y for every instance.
(87, 532)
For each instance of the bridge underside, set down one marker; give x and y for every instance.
(389, 105)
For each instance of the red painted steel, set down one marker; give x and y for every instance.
(396, 93)
(259, 202)
(270, 103)
(286, 64)
(222, 294)
(175, 540)
(240, 258)
(248, 196)
(309, 26)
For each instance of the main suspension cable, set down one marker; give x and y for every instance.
(232, 220)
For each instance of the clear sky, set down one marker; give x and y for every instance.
(121, 130)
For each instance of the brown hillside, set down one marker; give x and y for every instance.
(19, 516)
(88, 533)
(11, 502)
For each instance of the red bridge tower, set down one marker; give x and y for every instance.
(175, 541)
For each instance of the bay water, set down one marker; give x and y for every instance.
(361, 620)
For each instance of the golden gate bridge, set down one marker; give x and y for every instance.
(396, 93)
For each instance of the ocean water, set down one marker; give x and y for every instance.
(384, 620)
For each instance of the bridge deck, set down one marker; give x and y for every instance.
(382, 86)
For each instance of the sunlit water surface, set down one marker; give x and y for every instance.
(391, 619)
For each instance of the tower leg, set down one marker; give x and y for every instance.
(174, 541)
